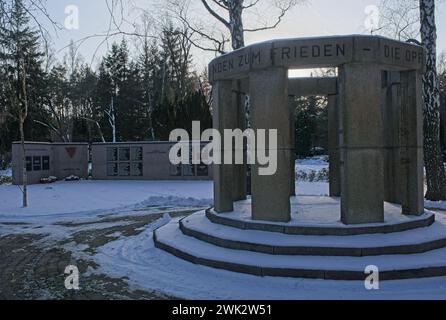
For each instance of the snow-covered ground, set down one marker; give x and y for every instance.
(6, 173)
(315, 163)
(441, 205)
(99, 196)
(312, 169)
(149, 268)
(83, 198)
(93, 197)
(146, 267)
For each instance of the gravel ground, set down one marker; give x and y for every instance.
(32, 264)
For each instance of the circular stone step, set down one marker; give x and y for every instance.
(391, 267)
(405, 242)
(319, 216)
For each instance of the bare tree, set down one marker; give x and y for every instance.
(61, 114)
(58, 102)
(111, 116)
(89, 116)
(22, 110)
(16, 63)
(230, 23)
(435, 171)
(120, 23)
(17, 43)
(15, 87)
(399, 19)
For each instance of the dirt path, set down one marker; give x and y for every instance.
(33, 268)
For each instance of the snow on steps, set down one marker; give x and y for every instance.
(405, 242)
(392, 267)
(315, 215)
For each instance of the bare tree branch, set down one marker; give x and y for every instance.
(252, 4)
(278, 20)
(215, 14)
(221, 4)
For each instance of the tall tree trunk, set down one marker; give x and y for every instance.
(25, 173)
(435, 172)
(150, 113)
(112, 119)
(100, 132)
(236, 23)
(23, 114)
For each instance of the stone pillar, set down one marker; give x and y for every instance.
(362, 178)
(224, 117)
(391, 106)
(240, 172)
(412, 197)
(292, 106)
(270, 110)
(333, 146)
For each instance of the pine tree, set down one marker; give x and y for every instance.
(311, 124)
(151, 81)
(113, 73)
(176, 61)
(87, 122)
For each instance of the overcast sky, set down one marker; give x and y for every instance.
(316, 17)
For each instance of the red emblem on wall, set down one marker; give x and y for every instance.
(71, 151)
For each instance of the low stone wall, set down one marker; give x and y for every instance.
(110, 161)
(141, 161)
(49, 159)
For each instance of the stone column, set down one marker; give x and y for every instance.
(333, 146)
(391, 106)
(240, 172)
(412, 197)
(292, 106)
(362, 178)
(270, 110)
(224, 117)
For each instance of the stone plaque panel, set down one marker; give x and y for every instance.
(317, 53)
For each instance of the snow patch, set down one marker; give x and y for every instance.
(6, 173)
(441, 205)
(91, 198)
(149, 268)
(157, 201)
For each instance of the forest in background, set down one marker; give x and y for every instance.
(130, 96)
(138, 96)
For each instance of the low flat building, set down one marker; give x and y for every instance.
(109, 161)
(141, 161)
(49, 159)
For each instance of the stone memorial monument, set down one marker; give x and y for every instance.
(361, 124)
(375, 212)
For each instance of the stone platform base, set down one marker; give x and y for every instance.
(402, 247)
(312, 215)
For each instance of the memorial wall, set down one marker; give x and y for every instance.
(141, 161)
(49, 159)
(109, 161)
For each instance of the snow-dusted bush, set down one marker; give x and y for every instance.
(313, 175)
